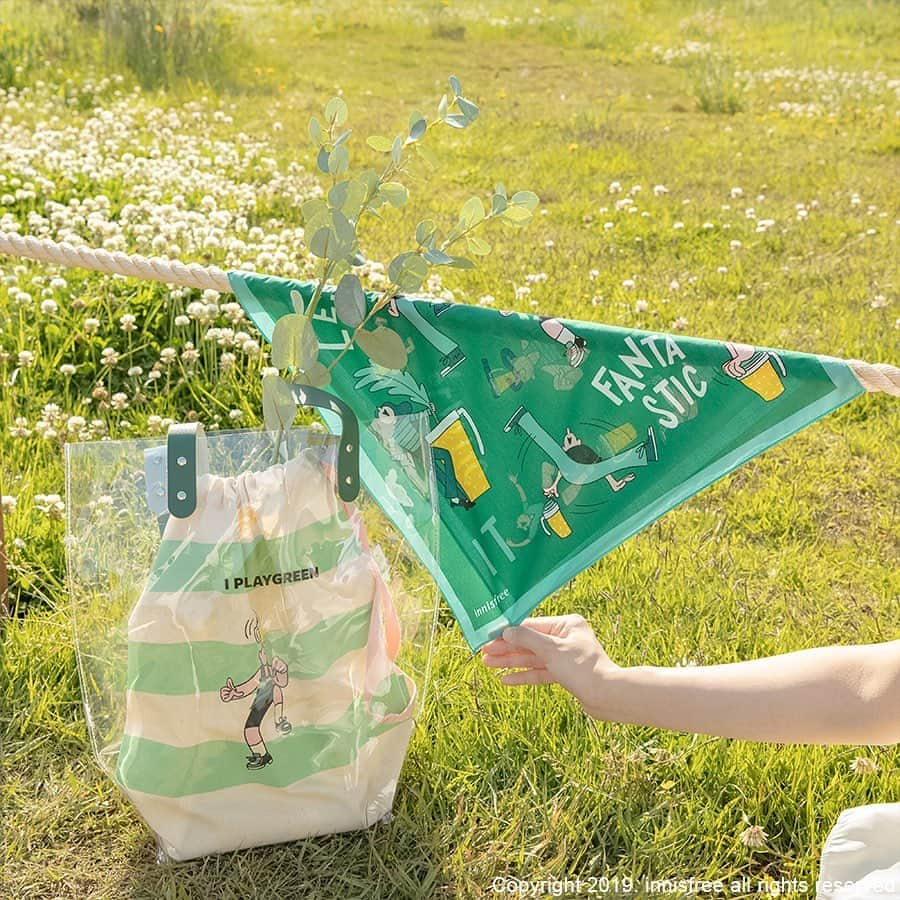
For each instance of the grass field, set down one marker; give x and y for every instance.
(727, 169)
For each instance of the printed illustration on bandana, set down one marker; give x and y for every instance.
(575, 462)
(456, 443)
(451, 354)
(757, 370)
(266, 684)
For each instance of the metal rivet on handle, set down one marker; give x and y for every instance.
(182, 461)
(181, 495)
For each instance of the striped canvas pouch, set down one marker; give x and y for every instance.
(263, 702)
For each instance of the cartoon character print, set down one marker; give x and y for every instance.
(266, 684)
(575, 346)
(575, 462)
(757, 370)
(451, 353)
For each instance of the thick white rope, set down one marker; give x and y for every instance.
(170, 271)
(874, 377)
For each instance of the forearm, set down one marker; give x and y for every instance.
(832, 695)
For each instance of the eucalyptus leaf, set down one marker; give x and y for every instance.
(379, 143)
(350, 301)
(528, 199)
(472, 212)
(478, 246)
(408, 271)
(322, 160)
(394, 192)
(424, 231)
(309, 346)
(335, 240)
(317, 376)
(469, 109)
(455, 120)
(460, 262)
(517, 216)
(442, 107)
(498, 204)
(343, 138)
(418, 129)
(338, 160)
(437, 257)
(279, 405)
(455, 86)
(397, 150)
(298, 303)
(348, 196)
(314, 129)
(336, 111)
(384, 347)
(287, 340)
(500, 189)
(312, 209)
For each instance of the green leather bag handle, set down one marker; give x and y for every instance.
(186, 453)
(348, 447)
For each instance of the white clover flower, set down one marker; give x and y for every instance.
(608, 226)
(135, 372)
(50, 504)
(119, 401)
(226, 361)
(523, 290)
(58, 283)
(550, 244)
(190, 354)
(251, 347)
(268, 370)
(677, 226)
(660, 190)
(154, 424)
(67, 369)
(628, 284)
(8, 504)
(127, 322)
(20, 428)
(736, 193)
(615, 187)
(236, 415)
(680, 323)
(49, 307)
(26, 359)
(753, 836)
(167, 355)
(879, 301)
(641, 306)
(75, 423)
(486, 300)
(154, 375)
(722, 270)
(863, 765)
(182, 321)
(109, 357)
(735, 245)
(91, 325)
(98, 426)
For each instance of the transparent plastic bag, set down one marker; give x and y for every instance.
(250, 672)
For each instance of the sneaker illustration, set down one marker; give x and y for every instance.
(260, 762)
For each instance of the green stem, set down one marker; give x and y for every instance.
(379, 304)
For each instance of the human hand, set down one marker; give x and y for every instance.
(554, 650)
(228, 692)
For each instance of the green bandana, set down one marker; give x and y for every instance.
(552, 440)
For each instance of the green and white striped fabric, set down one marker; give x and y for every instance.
(263, 702)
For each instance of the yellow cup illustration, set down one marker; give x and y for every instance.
(762, 378)
(621, 437)
(450, 434)
(552, 519)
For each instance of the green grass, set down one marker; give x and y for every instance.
(799, 548)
